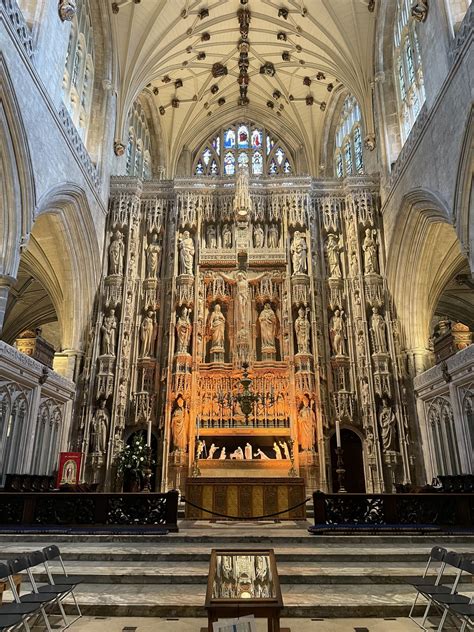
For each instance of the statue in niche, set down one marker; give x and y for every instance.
(242, 199)
(132, 265)
(302, 330)
(178, 425)
(378, 327)
(353, 265)
(217, 329)
(211, 236)
(200, 449)
(360, 344)
(100, 424)
(369, 246)
(183, 330)
(147, 330)
(277, 450)
(248, 452)
(226, 236)
(299, 253)
(357, 305)
(108, 329)
(268, 326)
(332, 249)
(388, 426)
(152, 257)
(223, 454)
(365, 393)
(129, 305)
(286, 451)
(306, 425)
(262, 455)
(337, 333)
(212, 451)
(352, 236)
(273, 236)
(116, 253)
(186, 253)
(258, 236)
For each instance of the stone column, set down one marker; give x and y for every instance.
(5, 284)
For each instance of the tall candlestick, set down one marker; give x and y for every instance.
(338, 433)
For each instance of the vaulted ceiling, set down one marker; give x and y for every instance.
(188, 56)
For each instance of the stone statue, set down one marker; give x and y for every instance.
(306, 425)
(377, 328)
(242, 199)
(237, 455)
(152, 257)
(186, 254)
(226, 236)
(302, 330)
(178, 425)
(147, 330)
(116, 253)
(388, 426)
(277, 450)
(211, 236)
(299, 253)
(258, 236)
(212, 451)
(217, 329)
(353, 265)
(371, 263)
(262, 455)
(183, 330)
(332, 249)
(108, 329)
(273, 236)
(286, 451)
(337, 333)
(268, 325)
(365, 393)
(242, 284)
(248, 452)
(360, 344)
(201, 446)
(222, 455)
(100, 424)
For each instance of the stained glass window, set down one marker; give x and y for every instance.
(229, 139)
(349, 150)
(256, 138)
(243, 137)
(409, 71)
(229, 164)
(246, 144)
(257, 163)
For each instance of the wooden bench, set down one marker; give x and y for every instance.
(4, 586)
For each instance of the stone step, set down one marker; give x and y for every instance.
(181, 600)
(197, 573)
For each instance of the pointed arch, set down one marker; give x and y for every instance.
(464, 197)
(423, 256)
(17, 187)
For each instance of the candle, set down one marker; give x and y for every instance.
(338, 433)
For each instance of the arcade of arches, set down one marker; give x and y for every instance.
(193, 193)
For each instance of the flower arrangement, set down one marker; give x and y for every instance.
(135, 458)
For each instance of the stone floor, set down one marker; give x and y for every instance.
(107, 624)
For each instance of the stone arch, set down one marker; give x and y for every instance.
(158, 153)
(464, 196)
(423, 256)
(64, 256)
(17, 187)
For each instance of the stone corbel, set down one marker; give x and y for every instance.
(370, 142)
(119, 148)
(67, 10)
(419, 11)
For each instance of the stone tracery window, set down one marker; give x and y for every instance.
(78, 79)
(138, 157)
(243, 143)
(408, 68)
(348, 155)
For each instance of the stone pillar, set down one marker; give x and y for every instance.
(5, 284)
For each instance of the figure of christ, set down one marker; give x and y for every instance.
(242, 283)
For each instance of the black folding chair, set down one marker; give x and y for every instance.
(19, 565)
(430, 591)
(15, 614)
(61, 588)
(460, 605)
